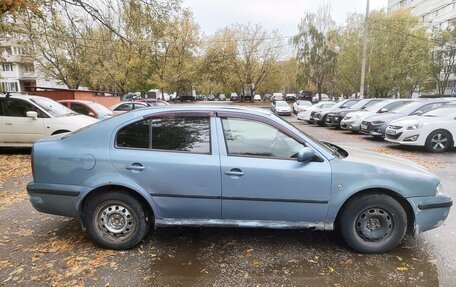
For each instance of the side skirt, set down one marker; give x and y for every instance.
(163, 222)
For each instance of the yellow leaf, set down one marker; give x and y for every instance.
(402, 268)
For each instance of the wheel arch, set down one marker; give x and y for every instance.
(146, 203)
(442, 129)
(398, 197)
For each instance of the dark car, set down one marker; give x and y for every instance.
(333, 118)
(319, 116)
(376, 125)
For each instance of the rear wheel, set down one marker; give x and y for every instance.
(116, 220)
(323, 122)
(439, 141)
(373, 223)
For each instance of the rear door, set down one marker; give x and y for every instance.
(17, 127)
(175, 158)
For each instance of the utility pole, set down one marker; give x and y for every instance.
(363, 59)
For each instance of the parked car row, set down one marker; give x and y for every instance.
(430, 123)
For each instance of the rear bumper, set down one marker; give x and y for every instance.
(430, 212)
(55, 198)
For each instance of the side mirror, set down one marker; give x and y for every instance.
(418, 113)
(383, 110)
(31, 114)
(306, 154)
(91, 114)
(343, 106)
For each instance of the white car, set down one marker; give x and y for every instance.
(300, 104)
(257, 98)
(352, 121)
(316, 98)
(304, 113)
(281, 108)
(124, 107)
(435, 130)
(25, 119)
(277, 97)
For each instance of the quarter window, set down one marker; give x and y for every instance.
(253, 138)
(135, 135)
(124, 107)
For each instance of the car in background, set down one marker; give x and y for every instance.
(234, 97)
(222, 97)
(300, 104)
(319, 116)
(88, 108)
(324, 97)
(435, 130)
(236, 167)
(25, 119)
(377, 124)
(257, 98)
(153, 102)
(352, 121)
(277, 97)
(290, 97)
(124, 107)
(305, 113)
(281, 108)
(211, 97)
(333, 119)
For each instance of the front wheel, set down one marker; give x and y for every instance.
(373, 223)
(438, 141)
(116, 220)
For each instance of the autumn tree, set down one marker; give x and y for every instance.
(316, 49)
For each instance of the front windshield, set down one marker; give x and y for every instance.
(407, 109)
(377, 106)
(281, 104)
(100, 109)
(360, 104)
(339, 104)
(445, 111)
(53, 108)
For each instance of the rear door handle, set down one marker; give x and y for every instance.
(136, 167)
(234, 172)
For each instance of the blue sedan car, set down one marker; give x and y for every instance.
(225, 166)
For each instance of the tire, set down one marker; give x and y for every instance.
(126, 218)
(373, 223)
(439, 141)
(323, 122)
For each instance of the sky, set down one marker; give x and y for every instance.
(283, 15)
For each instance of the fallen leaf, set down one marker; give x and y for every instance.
(402, 268)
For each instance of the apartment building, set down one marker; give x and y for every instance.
(437, 13)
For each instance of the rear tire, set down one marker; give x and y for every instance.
(323, 122)
(373, 223)
(116, 220)
(439, 141)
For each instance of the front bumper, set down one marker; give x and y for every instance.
(288, 113)
(402, 135)
(353, 125)
(55, 198)
(430, 212)
(333, 120)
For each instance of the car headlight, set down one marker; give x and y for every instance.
(414, 127)
(440, 190)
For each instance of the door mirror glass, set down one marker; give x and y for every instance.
(306, 154)
(31, 114)
(343, 106)
(383, 110)
(418, 113)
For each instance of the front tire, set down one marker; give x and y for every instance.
(323, 122)
(373, 223)
(439, 141)
(116, 220)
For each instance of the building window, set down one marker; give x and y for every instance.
(29, 68)
(7, 67)
(9, 87)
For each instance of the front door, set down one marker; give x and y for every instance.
(262, 179)
(174, 157)
(17, 128)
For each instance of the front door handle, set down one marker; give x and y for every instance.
(136, 167)
(234, 172)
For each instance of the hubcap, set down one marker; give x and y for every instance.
(439, 142)
(116, 220)
(374, 224)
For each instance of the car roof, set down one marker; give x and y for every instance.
(24, 97)
(77, 101)
(214, 108)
